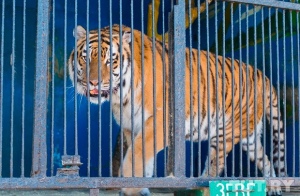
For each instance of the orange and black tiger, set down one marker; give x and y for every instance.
(239, 105)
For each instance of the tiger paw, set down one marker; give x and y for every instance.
(136, 191)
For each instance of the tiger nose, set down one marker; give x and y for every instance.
(94, 82)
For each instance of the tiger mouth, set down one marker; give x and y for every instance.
(104, 93)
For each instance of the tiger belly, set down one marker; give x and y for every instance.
(203, 128)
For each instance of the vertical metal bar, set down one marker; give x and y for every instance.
(39, 163)
(247, 88)
(75, 83)
(191, 90)
(223, 90)
(270, 91)
(284, 87)
(208, 85)
(65, 75)
(232, 88)
(255, 90)
(278, 67)
(179, 93)
(298, 65)
(217, 87)
(99, 87)
(143, 87)
(199, 87)
(88, 87)
(23, 90)
(264, 87)
(154, 87)
(164, 86)
(121, 93)
(132, 92)
(1, 81)
(53, 89)
(12, 106)
(293, 95)
(240, 91)
(110, 89)
(171, 138)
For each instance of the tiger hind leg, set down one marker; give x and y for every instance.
(252, 145)
(274, 117)
(256, 154)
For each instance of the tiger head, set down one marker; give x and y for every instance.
(89, 64)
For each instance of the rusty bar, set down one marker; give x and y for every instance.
(39, 163)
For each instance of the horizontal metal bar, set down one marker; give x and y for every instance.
(110, 182)
(269, 3)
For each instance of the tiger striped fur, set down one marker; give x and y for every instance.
(232, 103)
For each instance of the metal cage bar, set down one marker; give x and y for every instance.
(177, 44)
(39, 165)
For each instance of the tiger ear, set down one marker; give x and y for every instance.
(127, 36)
(79, 32)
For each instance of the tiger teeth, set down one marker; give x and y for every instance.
(94, 92)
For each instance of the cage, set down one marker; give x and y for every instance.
(145, 90)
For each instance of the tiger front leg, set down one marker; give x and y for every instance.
(215, 164)
(137, 163)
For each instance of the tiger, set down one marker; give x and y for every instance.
(116, 59)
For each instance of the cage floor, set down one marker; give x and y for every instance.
(295, 191)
